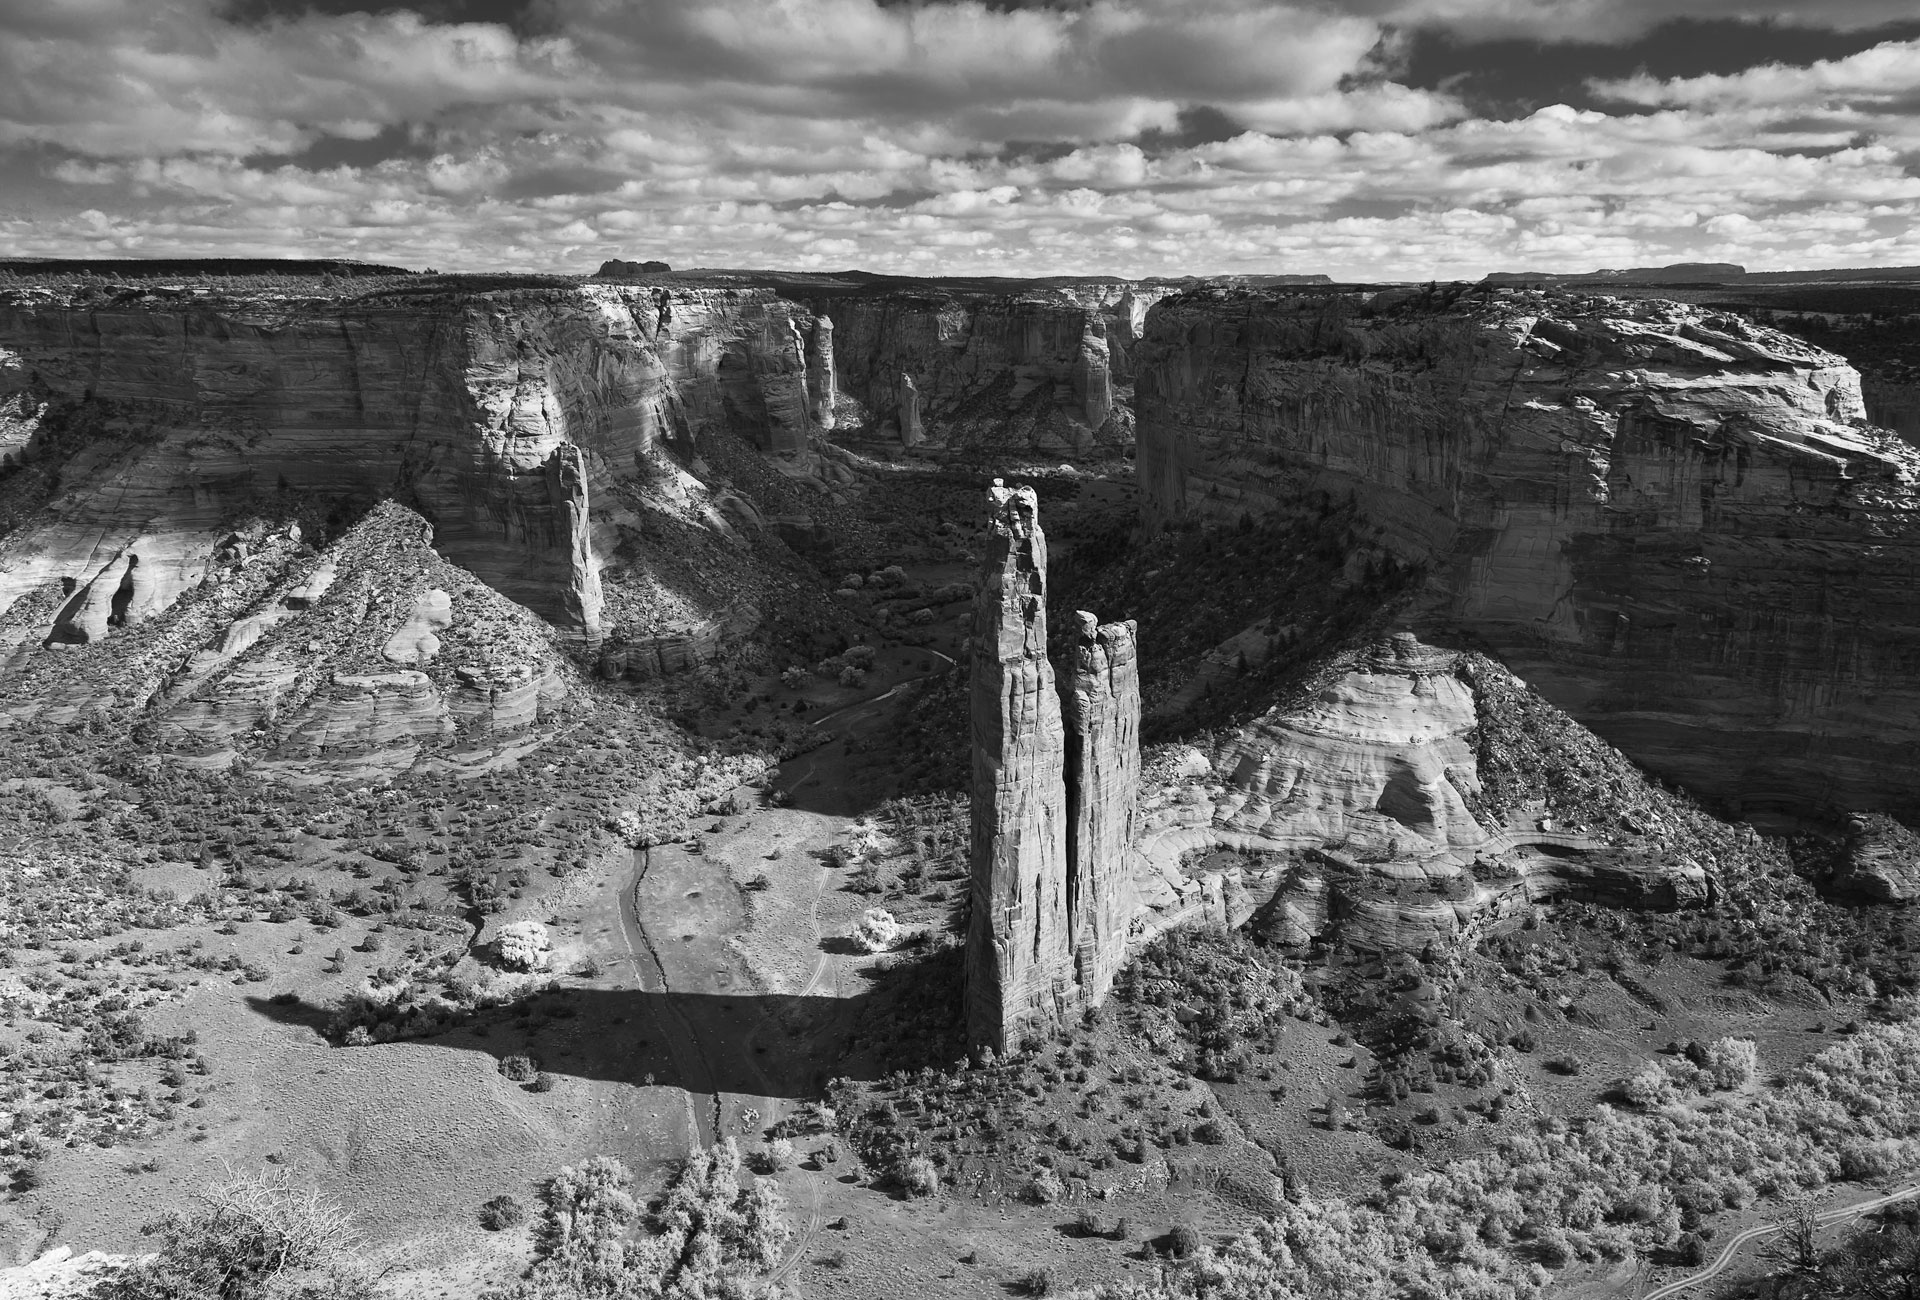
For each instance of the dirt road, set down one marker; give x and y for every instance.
(1732, 1249)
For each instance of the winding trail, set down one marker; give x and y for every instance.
(683, 1043)
(1732, 1249)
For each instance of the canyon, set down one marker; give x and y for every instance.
(1679, 526)
(662, 610)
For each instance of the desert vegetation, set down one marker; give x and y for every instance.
(1604, 1186)
(705, 1238)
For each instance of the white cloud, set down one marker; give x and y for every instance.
(1887, 73)
(950, 136)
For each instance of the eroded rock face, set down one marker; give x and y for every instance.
(1880, 860)
(1368, 807)
(1019, 969)
(1042, 370)
(1675, 524)
(1101, 694)
(496, 412)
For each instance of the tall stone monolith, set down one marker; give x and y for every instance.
(1019, 959)
(1101, 697)
(821, 388)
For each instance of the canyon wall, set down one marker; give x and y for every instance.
(1676, 525)
(498, 415)
(1893, 404)
(1042, 370)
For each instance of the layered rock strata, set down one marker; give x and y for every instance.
(1368, 812)
(1675, 524)
(1055, 786)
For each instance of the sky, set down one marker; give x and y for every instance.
(1362, 139)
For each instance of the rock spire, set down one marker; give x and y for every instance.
(1101, 698)
(1017, 936)
(1055, 788)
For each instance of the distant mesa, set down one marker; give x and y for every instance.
(615, 269)
(136, 268)
(1678, 272)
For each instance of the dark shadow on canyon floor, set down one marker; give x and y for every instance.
(774, 1045)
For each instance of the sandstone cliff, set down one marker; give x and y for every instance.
(502, 416)
(1041, 370)
(1676, 525)
(1416, 796)
(1017, 943)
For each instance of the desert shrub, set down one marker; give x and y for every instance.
(542, 1082)
(878, 931)
(523, 945)
(1564, 1064)
(1039, 1282)
(1732, 1062)
(519, 1068)
(501, 1213)
(1649, 1086)
(919, 1176)
(250, 1237)
(1184, 1241)
(774, 1156)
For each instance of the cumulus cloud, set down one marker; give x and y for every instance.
(1134, 136)
(1886, 74)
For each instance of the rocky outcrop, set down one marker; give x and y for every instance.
(1674, 524)
(648, 657)
(1019, 970)
(1363, 814)
(372, 712)
(1043, 370)
(1101, 694)
(418, 639)
(1880, 860)
(501, 699)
